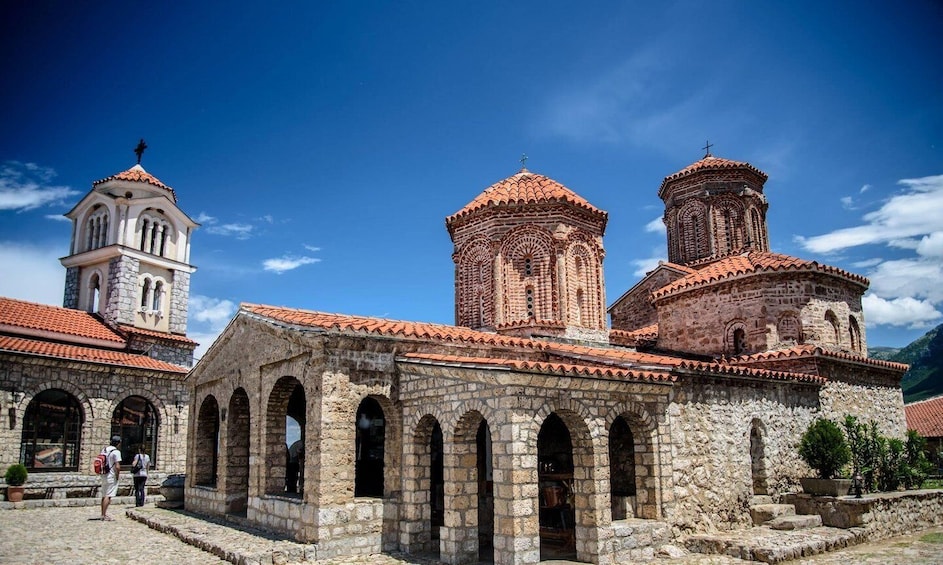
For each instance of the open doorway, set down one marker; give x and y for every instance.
(555, 490)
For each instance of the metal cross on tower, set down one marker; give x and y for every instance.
(523, 160)
(139, 150)
(707, 148)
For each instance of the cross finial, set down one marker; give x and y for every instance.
(707, 148)
(523, 161)
(140, 149)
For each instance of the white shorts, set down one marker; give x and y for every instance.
(109, 485)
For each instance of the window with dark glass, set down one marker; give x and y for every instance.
(135, 421)
(52, 431)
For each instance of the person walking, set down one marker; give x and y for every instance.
(139, 471)
(111, 474)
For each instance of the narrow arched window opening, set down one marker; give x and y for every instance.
(370, 449)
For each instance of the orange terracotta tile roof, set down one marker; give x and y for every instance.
(926, 416)
(544, 367)
(137, 174)
(18, 316)
(647, 334)
(809, 350)
(557, 354)
(131, 330)
(711, 163)
(524, 188)
(85, 354)
(754, 262)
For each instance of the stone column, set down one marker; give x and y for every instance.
(458, 537)
(516, 528)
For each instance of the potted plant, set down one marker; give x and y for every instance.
(15, 477)
(824, 449)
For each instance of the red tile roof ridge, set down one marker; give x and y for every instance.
(646, 334)
(383, 326)
(129, 329)
(736, 370)
(136, 174)
(748, 264)
(20, 316)
(94, 355)
(711, 163)
(524, 187)
(808, 349)
(938, 397)
(566, 369)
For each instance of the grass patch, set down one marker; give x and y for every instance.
(932, 537)
(932, 483)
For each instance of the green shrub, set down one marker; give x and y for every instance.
(16, 475)
(823, 448)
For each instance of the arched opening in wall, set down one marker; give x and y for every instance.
(158, 296)
(622, 470)
(206, 450)
(52, 429)
(145, 293)
(485, 493)
(789, 329)
(854, 334)
(94, 293)
(370, 448)
(739, 341)
(135, 422)
(580, 306)
(437, 481)
(555, 481)
(758, 458)
(834, 333)
(237, 453)
(284, 427)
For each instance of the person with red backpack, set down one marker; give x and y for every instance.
(110, 475)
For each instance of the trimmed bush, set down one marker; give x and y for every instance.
(823, 448)
(16, 475)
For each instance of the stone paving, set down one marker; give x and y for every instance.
(75, 535)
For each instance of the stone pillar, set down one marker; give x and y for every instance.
(122, 289)
(459, 535)
(179, 302)
(70, 298)
(516, 528)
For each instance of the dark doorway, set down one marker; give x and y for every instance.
(555, 482)
(485, 494)
(437, 481)
(371, 437)
(622, 469)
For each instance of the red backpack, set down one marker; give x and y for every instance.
(100, 463)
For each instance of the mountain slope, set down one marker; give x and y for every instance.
(925, 357)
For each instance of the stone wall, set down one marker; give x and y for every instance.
(881, 515)
(710, 423)
(634, 309)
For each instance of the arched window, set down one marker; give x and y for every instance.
(145, 293)
(370, 448)
(158, 296)
(135, 421)
(96, 228)
(580, 306)
(854, 334)
(155, 234)
(832, 321)
(52, 431)
(94, 293)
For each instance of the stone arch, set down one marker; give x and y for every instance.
(645, 463)
(584, 302)
(729, 225)
(155, 233)
(206, 450)
(95, 227)
(423, 529)
(833, 327)
(94, 286)
(574, 479)
(286, 399)
(528, 261)
(137, 421)
(372, 436)
(854, 334)
(475, 293)
(736, 338)
(238, 422)
(51, 435)
(758, 459)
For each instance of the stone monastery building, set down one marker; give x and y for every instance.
(114, 359)
(531, 429)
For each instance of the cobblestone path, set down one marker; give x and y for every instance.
(75, 535)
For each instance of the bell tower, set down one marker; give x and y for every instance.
(129, 260)
(714, 208)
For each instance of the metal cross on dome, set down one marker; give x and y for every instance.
(523, 160)
(707, 148)
(139, 150)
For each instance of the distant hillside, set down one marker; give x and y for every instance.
(925, 357)
(883, 353)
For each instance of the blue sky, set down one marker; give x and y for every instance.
(321, 145)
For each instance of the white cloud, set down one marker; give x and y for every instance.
(239, 231)
(208, 318)
(204, 218)
(904, 311)
(656, 226)
(847, 203)
(312, 248)
(57, 218)
(931, 246)
(37, 276)
(864, 189)
(285, 263)
(917, 277)
(915, 212)
(26, 186)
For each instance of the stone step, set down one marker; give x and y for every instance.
(759, 499)
(774, 546)
(763, 513)
(800, 522)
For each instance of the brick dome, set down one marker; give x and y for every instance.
(710, 163)
(524, 187)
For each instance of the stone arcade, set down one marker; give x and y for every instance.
(530, 430)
